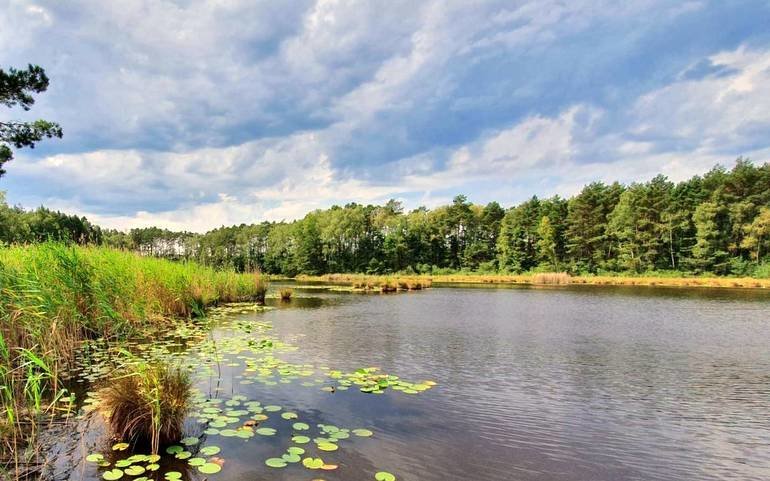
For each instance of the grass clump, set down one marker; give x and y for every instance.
(147, 404)
(286, 293)
(551, 278)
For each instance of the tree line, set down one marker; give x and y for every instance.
(716, 223)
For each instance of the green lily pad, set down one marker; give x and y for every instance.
(272, 408)
(112, 474)
(275, 462)
(291, 458)
(327, 446)
(190, 441)
(152, 467)
(196, 461)
(172, 475)
(266, 431)
(183, 455)
(135, 471)
(384, 476)
(364, 433)
(289, 415)
(174, 449)
(120, 447)
(313, 463)
(153, 458)
(300, 439)
(300, 426)
(210, 468)
(295, 450)
(209, 450)
(122, 463)
(95, 458)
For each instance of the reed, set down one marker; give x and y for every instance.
(373, 283)
(53, 296)
(146, 403)
(551, 278)
(286, 294)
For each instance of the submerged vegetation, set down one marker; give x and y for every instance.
(54, 296)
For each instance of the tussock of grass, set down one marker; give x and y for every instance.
(147, 404)
(286, 293)
(551, 278)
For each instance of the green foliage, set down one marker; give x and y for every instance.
(715, 223)
(16, 89)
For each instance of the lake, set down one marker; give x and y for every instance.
(568, 383)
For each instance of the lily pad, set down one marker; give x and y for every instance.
(190, 441)
(196, 461)
(266, 431)
(291, 458)
(300, 426)
(135, 470)
(95, 458)
(300, 439)
(174, 450)
(313, 463)
(120, 447)
(384, 476)
(209, 450)
(275, 462)
(289, 415)
(172, 475)
(364, 433)
(327, 446)
(112, 474)
(210, 468)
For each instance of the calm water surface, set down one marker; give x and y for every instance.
(565, 384)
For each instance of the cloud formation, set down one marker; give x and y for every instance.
(193, 114)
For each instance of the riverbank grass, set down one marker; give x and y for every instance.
(53, 296)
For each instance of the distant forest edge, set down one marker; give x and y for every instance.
(717, 223)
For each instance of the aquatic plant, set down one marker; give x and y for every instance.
(54, 296)
(261, 283)
(286, 293)
(147, 403)
(551, 278)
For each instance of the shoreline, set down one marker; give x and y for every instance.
(493, 280)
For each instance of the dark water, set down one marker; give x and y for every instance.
(533, 384)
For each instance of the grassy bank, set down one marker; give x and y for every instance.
(547, 279)
(54, 296)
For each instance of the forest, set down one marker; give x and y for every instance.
(716, 223)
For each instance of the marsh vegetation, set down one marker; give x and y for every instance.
(53, 297)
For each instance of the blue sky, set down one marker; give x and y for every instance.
(194, 114)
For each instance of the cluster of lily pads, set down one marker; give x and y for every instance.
(245, 343)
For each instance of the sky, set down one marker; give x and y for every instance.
(194, 114)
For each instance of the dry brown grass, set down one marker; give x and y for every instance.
(551, 278)
(286, 294)
(147, 404)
